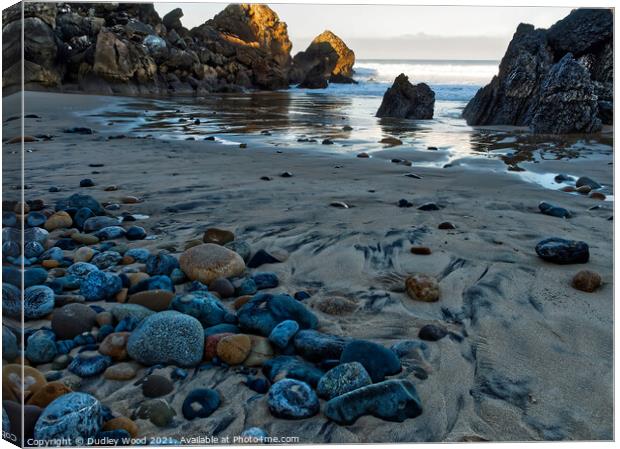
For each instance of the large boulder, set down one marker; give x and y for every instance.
(567, 102)
(525, 86)
(328, 55)
(405, 100)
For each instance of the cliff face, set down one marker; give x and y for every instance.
(525, 91)
(128, 49)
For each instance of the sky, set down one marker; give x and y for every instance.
(398, 32)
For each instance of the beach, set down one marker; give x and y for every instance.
(526, 355)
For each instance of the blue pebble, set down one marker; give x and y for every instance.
(41, 347)
(258, 384)
(283, 332)
(104, 331)
(33, 250)
(247, 287)
(11, 249)
(81, 269)
(200, 403)
(178, 276)
(264, 311)
(111, 233)
(179, 374)
(300, 296)
(135, 233)
(106, 259)
(34, 276)
(196, 286)
(89, 366)
(9, 220)
(138, 254)
(160, 282)
(35, 219)
(11, 300)
(221, 329)
(70, 416)
(66, 244)
(81, 216)
(10, 350)
(52, 376)
(84, 339)
(292, 399)
(265, 280)
(127, 324)
(100, 285)
(204, 306)
(162, 263)
(53, 253)
(65, 346)
(38, 302)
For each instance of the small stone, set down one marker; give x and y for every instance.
(562, 251)
(72, 320)
(429, 207)
(41, 347)
(421, 250)
(59, 220)
(122, 423)
(157, 300)
(208, 262)
(38, 302)
(316, 346)
(336, 305)
(110, 188)
(554, 211)
(265, 280)
(363, 155)
(218, 236)
(87, 182)
(135, 233)
(585, 181)
(89, 366)
(115, 346)
(598, 196)
(120, 371)
(343, 379)
(290, 367)
(100, 285)
(264, 311)
(261, 351)
(45, 395)
(73, 416)
(292, 399)
(130, 200)
(376, 359)
(158, 411)
(50, 263)
(85, 239)
(13, 386)
(587, 281)
(391, 141)
(431, 332)
(234, 349)
(585, 189)
(155, 386)
(262, 257)
(223, 287)
(286, 174)
(404, 203)
(339, 204)
(422, 287)
(327, 142)
(568, 189)
(282, 334)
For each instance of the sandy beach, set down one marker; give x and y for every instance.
(527, 356)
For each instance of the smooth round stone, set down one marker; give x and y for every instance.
(161, 264)
(234, 349)
(158, 411)
(10, 350)
(81, 270)
(342, 379)
(223, 287)
(167, 337)
(79, 201)
(586, 281)
(71, 416)
(41, 347)
(247, 286)
(211, 342)
(241, 247)
(431, 332)
(83, 254)
(87, 182)
(122, 423)
(133, 311)
(203, 306)
(598, 196)
(261, 386)
(38, 302)
(12, 384)
(100, 285)
(72, 320)
(115, 345)
(562, 251)
(553, 211)
(81, 216)
(392, 400)
(422, 287)
(200, 403)
(53, 253)
(261, 351)
(262, 257)
(584, 189)
(110, 233)
(335, 305)
(33, 250)
(59, 220)
(376, 359)
(36, 219)
(11, 301)
(282, 334)
(34, 276)
(221, 329)
(159, 282)
(135, 233)
(218, 236)
(9, 220)
(61, 362)
(89, 366)
(138, 254)
(94, 224)
(265, 280)
(11, 249)
(34, 234)
(316, 346)
(48, 393)
(208, 262)
(157, 300)
(290, 367)
(155, 386)
(130, 199)
(264, 311)
(120, 371)
(585, 181)
(292, 399)
(177, 276)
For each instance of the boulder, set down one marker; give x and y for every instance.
(327, 56)
(405, 100)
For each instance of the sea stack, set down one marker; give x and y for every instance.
(406, 100)
(557, 81)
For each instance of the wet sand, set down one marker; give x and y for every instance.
(530, 357)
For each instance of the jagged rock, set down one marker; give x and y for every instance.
(567, 102)
(172, 20)
(327, 55)
(525, 81)
(405, 100)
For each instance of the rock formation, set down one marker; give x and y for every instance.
(327, 58)
(405, 100)
(538, 76)
(128, 49)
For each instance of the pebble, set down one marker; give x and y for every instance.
(10, 349)
(261, 351)
(363, 155)
(204, 306)
(12, 384)
(120, 371)
(265, 280)
(130, 200)
(167, 337)
(83, 254)
(339, 205)
(144, 282)
(200, 403)
(264, 311)
(586, 281)
(327, 142)
(286, 174)
(432, 332)
(292, 399)
(71, 416)
(262, 257)
(290, 367)
(94, 224)
(429, 207)
(72, 320)
(156, 300)
(211, 342)
(208, 262)
(158, 411)
(585, 181)
(343, 379)
(115, 346)
(585, 189)
(41, 347)
(404, 203)
(446, 225)
(376, 359)
(135, 233)
(422, 287)
(110, 233)
(316, 346)
(223, 287)
(155, 386)
(391, 141)
(87, 182)
(81, 270)
(38, 302)
(421, 250)
(554, 211)
(221, 329)
(598, 196)
(48, 393)
(562, 251)
(122, 423)
(283, 332)
(241, 247)
(85, 239)
(89, 366)
(60, 219)
(133, 311)
(81, 216)
(335, 305)
(218, 236)
(392, 400)
(234, 349)
(100, 285)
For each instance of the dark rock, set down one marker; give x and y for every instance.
(554, 211)
(100, 285)
(586, 281)
(223, 287)
(585, 181)
(41, 347)
(155, 386)
(38, 302)
(292, 399)
(223, 328)
(282, 334)
(392, 400)
(289, 367)
(264, 311)
(265, 280)
(89, 366)
(262, 257)
(10, 349)
(343, 379)
(106, 259)
(429, 207)
(378, 360)
(404, 203)
(87, 182)
(329, 56)
(79, 201)
(72, 416)
(562, 251)
(95, 224)
(405, 100)
(316, 346)
(161, 282)
(204, 306)
(431, 332)
(200, 403)
(161, 263)
(72, 320)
